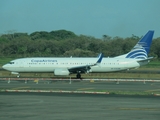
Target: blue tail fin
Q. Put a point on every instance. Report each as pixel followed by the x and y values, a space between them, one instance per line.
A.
pixel 100 57
pixel 142 48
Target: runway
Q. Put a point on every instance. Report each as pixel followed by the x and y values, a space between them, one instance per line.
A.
pixel 49 106
pixel 82 86
pixel 60 106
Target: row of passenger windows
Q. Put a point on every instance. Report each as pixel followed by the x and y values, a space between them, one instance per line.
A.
pixel 70 63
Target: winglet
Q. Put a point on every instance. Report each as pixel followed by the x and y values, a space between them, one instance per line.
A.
pixel 100 58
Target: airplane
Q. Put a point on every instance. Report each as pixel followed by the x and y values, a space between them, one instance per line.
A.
pixel 63 66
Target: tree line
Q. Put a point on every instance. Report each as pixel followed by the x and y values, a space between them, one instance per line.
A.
pixel 63 43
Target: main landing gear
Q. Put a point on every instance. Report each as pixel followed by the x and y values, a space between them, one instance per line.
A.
pixel 78 76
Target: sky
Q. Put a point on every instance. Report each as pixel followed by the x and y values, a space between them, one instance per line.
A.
pixel 95 18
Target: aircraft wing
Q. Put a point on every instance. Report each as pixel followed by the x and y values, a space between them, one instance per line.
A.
pixel 85 68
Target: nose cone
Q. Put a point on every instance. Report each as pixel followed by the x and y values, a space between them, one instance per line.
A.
pixel 5 67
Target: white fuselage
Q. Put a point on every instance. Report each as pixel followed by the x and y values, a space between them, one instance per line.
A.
pixel 64 66
pixel 50 64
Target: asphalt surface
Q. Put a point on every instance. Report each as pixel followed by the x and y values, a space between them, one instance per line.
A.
pixel 82 85
pixel 60 106
pixel 53 106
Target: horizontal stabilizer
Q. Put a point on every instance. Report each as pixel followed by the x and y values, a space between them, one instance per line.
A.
pixel 149 58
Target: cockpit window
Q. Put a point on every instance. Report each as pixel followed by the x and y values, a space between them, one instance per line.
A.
pixel 11 62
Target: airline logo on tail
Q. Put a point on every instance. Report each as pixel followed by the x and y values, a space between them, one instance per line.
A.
pixel 141 49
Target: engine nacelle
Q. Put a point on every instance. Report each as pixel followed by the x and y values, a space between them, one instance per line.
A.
pixel 15 73
pixel 61 71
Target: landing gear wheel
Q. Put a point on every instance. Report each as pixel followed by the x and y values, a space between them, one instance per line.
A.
pixel 78 76
pixel 18 75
